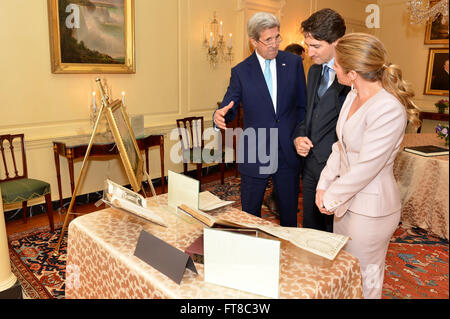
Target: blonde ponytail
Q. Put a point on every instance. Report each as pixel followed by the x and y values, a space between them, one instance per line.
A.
pixel 392 81
pixel 366 55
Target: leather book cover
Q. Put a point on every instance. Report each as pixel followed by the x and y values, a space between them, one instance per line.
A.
pixel 195 250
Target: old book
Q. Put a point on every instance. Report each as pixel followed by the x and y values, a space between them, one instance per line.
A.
pixel 125 199
pixel 206 218
pixel 195 250
pixel 209 202
pixel 427 150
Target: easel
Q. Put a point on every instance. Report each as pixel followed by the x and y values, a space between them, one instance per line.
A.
pixel 105 104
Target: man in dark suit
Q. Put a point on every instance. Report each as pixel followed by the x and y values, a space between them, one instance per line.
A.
pixel 270 85
pixel 325 96
pixel 271 201
pixel 440 80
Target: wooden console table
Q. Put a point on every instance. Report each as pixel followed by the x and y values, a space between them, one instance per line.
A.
pixel 432 116
pixel 76 148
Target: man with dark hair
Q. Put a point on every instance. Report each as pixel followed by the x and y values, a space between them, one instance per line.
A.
pixel 295 49
pixel 315 135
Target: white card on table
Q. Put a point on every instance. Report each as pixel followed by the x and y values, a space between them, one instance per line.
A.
pixel 242 262
pixel 182 190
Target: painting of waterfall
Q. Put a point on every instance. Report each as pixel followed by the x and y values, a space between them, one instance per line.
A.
pixel 92 36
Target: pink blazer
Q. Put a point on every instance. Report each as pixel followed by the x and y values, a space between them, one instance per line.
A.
pixel 359 172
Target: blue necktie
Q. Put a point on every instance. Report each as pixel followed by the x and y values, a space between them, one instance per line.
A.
pixel 268 77
pixel 324 83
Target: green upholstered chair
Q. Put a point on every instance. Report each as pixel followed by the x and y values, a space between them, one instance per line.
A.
pixel 14 182
pixel 192 144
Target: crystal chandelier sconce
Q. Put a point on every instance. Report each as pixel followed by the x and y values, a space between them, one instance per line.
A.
pixel 421 12
pixel 217 47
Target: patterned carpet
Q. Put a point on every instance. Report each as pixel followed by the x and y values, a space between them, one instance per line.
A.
pixel 417 265
pixel 40 273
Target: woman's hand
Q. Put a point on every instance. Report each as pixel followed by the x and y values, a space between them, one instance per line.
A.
pixel 319 202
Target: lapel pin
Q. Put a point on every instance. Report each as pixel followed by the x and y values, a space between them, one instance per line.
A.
pixel 284 64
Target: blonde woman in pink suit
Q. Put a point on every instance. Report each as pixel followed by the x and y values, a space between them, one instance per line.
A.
pixel 358 185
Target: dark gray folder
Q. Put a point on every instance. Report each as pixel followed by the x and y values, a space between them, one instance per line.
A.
pixel 169 260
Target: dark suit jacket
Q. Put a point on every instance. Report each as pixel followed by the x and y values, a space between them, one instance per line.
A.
pixel 440 81
pixel 322 129
pixel 248 87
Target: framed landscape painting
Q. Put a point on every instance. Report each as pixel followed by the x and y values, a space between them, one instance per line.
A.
pixel 92 36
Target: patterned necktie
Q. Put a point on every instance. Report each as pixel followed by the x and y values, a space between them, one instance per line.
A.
pixel 324 83
pixel 268 77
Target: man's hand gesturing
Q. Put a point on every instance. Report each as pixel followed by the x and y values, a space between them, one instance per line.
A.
pixel 219 116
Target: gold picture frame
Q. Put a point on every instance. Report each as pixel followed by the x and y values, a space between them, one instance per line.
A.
pixel 436 32
pixel 77 37
pixel 436 82
pixel 123 134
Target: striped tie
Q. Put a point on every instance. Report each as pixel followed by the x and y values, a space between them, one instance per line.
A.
pixel 324 83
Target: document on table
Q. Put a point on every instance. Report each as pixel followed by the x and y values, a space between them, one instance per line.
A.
pixel 209 201
pixel 182 190
pixel 125 199
pixel 321 243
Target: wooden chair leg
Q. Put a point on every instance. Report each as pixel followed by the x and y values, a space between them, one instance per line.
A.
pixel 222 172
pixel 185 168
pixel 199 173
pixel 24 211
pixel 48 201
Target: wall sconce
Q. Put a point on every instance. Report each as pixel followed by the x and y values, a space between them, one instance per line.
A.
pixel 217 48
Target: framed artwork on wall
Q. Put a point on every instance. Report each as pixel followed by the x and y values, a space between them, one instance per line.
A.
pixel 436 31
pixel 437 72
pixel 91 36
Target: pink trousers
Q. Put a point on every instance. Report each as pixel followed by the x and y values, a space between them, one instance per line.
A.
pixel 369 242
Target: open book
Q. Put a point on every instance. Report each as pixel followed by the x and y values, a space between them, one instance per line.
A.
pixel 206 218
pixel 321 243
pixel 209 201
pixel 125 199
